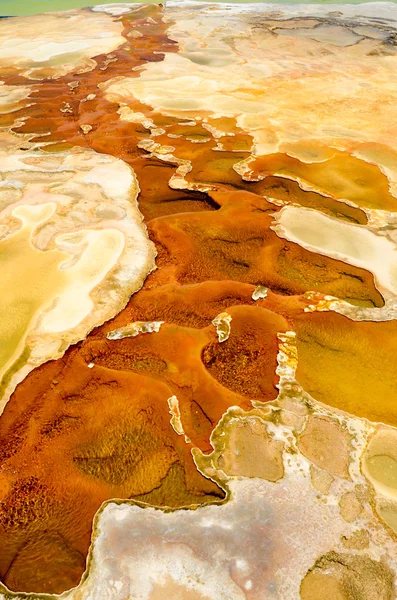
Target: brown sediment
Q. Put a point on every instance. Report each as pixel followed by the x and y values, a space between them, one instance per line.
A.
pixel 157 199
pixel 84 435
pixel 350 507
pixel 320 479
pixel 359 540
pixel 326 445
pixel 236 242
pixel 48 503
pixel 247 363
pixel 95 424
pixel 249 450
pixel 89 436
pixel 44 112
pixel 347 577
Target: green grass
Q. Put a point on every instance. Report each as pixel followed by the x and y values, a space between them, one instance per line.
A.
pixel 31 7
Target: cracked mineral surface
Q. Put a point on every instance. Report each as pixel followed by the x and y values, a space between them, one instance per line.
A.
pixel 198 234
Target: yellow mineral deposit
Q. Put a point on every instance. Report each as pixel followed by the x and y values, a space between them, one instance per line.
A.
pixel 332 173
pixel 32 281
pixel 11 97
pixel 69 228
pixel 270 83
pixel 351 243
pixel 53 45
pixel 37 285
pixel 387 510
pixel 379 465
pixel 265 149
pixel 326 445
pixel 353 372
